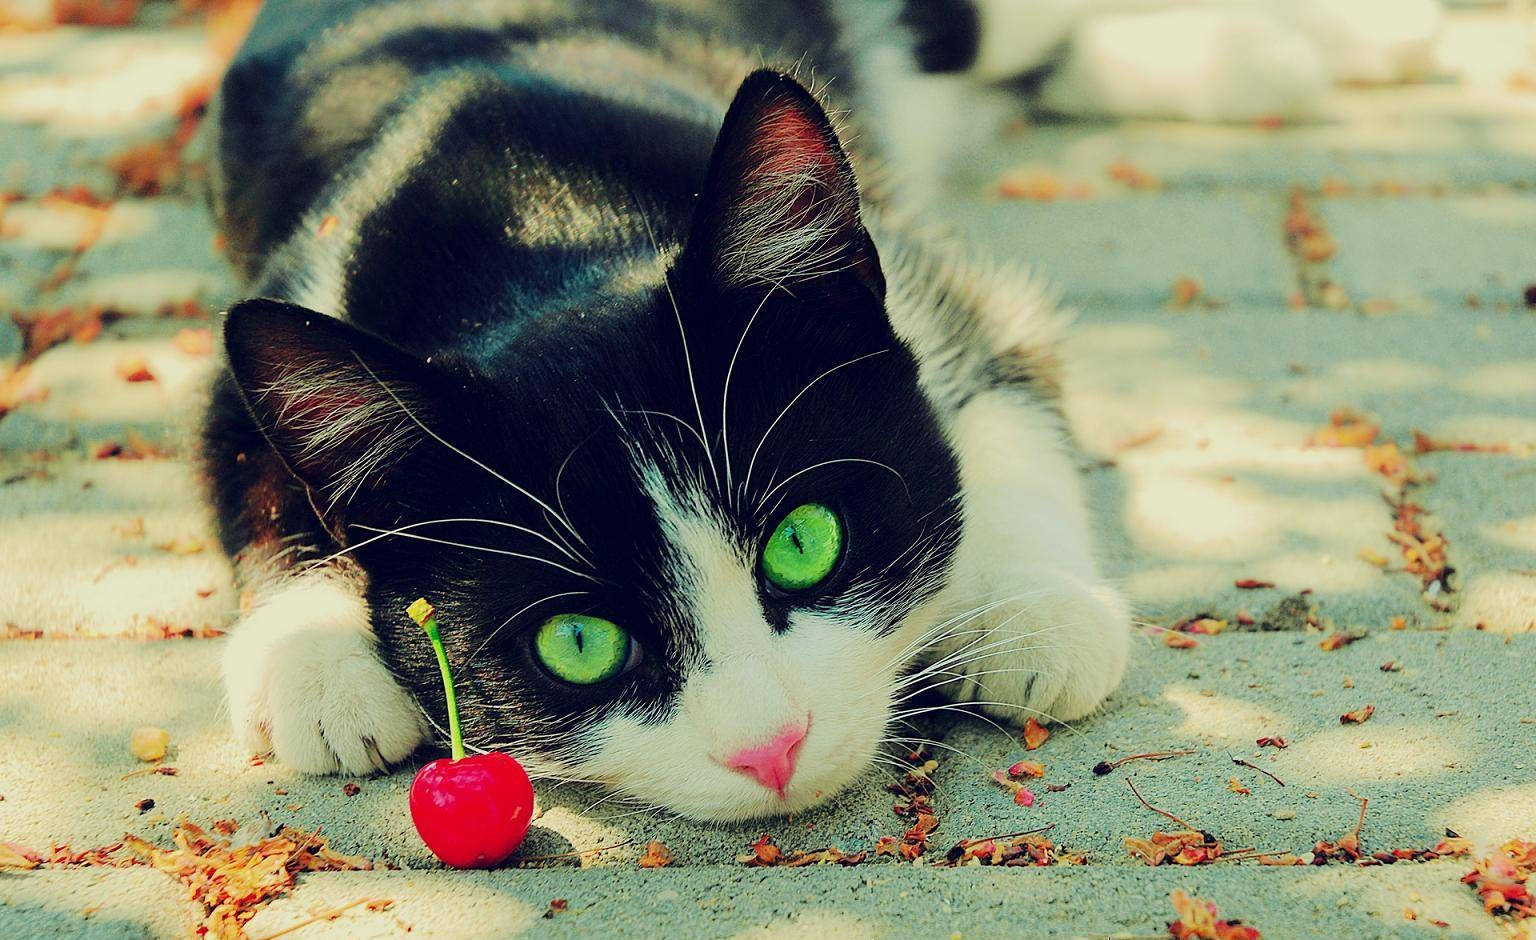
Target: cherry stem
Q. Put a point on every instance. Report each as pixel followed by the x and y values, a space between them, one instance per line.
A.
pixel 422 612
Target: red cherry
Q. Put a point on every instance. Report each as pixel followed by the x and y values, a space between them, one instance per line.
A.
pixel 472 812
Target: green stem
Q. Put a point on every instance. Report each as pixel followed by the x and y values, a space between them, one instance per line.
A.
pixel 423 614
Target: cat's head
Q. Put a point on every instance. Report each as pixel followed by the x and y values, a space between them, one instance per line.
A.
pixel 681 530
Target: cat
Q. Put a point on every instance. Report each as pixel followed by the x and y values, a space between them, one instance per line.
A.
pixel 584 321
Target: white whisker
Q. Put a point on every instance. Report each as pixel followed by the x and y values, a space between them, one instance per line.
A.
pixel 477 548
pixel 441 440
pixel 746 482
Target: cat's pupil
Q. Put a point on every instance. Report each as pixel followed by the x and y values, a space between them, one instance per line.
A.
pixel 576 636
pixel 794 536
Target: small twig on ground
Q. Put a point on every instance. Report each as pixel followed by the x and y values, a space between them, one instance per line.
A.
pixel 1161 812
pixel 157 769
pixel 519 862
pixel 1251 766
pixel 1364 801
pixel 331 914
pixel 1010 835
pixel 1103 767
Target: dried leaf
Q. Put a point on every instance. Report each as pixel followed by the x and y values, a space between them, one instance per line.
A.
pixel 194 341
pixel 1346 428
pixel 1179 641
pixel 1358 716
pixel 13 856
pixel 1275 741
pixel 1252 584
pixel 1198 920
pixel 134 369
pixel 1503 880
pixel 656 855
pixel 1035 734
pixel 1336 640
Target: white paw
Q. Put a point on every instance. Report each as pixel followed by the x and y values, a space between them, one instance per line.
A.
pixel 1056 656
pixel 306 685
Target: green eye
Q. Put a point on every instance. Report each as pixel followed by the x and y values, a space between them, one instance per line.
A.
pixel 582 649
pixel 804 548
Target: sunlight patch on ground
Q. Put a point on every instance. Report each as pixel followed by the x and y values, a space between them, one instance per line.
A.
pixel 1372 752
pixel 1486 429
pixel 581 830
pixel 148 291
pixel 1221 717
pixel 812 925
pixel 1501 601
pixel 1195 518
pixel 109 86
pixel 56 225
pixel 1492 816
pixel 1518 534
pixel 1515 379
pixel 1348 381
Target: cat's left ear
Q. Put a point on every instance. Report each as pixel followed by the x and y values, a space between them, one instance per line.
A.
pixel 780 204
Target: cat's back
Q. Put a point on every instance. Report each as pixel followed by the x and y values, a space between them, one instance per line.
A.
pixel 455 142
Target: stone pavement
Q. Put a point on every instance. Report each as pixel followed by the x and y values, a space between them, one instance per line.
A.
pixel 1237 287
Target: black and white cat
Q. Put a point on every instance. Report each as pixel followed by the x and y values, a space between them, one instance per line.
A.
pixel 578 323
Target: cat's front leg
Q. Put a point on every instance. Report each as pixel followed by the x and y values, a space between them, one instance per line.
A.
pixel 1034 629
pixel 306 685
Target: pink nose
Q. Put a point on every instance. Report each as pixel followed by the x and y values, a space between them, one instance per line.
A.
pixel 771 764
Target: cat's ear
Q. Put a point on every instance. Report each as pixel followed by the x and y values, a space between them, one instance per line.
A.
pixel 338 405
pixel 780 204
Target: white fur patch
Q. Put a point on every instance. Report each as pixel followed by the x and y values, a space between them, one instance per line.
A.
pixel 305 684
pixel 754 683
pixel 1055 638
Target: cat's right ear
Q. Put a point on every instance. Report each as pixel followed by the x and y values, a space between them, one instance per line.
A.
pixel 780 204
pixel 338 405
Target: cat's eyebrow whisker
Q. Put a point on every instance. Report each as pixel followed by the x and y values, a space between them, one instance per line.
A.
pixel 476 548
pixel 725 394
pixel 614 413
pixel 503 624
pixel 687 353
pixel 462 453
pixel 746 482
pixel 491 522
pixel 827 463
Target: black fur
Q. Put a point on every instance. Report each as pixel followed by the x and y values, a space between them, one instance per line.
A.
pixel 507 289
pixel 947 33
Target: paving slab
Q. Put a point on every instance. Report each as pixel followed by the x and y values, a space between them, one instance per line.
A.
pixel 1449 249
pixel 1446 748
pixel 1101 252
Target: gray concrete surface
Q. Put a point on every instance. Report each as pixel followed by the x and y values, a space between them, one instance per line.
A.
pixel 1195 425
